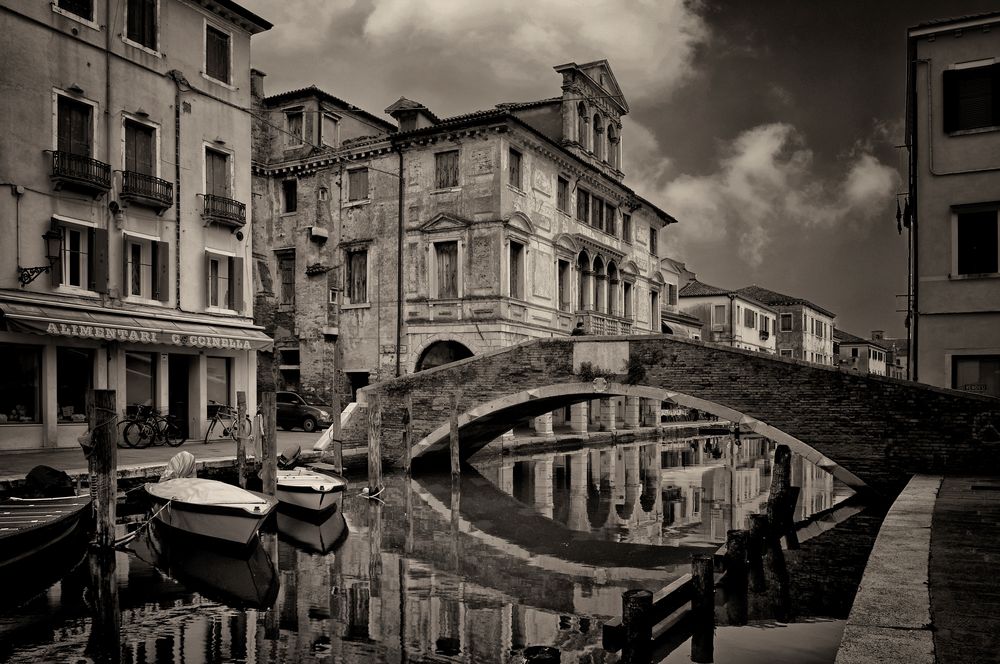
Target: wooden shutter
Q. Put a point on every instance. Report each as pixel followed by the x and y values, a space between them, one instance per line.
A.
pixel 949 88
pixel 995 76
pixel 56 271
pixel 217 54
pixel 142 22
pixel 98 259
pixel 216 174
pixel 138 148
pixel 73 127
pixel 447 269
pixel 161 271
pixel 236 283
pixel 126 285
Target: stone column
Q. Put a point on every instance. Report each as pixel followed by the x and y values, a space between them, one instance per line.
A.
pixel 543 425
pixel 601 297
pixel 614 290
pixel 578 417
pixel 577 517
pixel 542 472
pixel 632 412
pixel 608 415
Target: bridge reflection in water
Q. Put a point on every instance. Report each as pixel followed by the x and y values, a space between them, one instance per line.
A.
pixel 527 551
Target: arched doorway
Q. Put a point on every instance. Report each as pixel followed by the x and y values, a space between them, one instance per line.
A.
pixel 442 352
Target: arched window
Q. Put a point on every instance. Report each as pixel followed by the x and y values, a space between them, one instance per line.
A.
pixel 612 146
pixel 581 124
pixel 598 136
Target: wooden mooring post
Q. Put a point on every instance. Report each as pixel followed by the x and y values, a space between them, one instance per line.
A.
pixel 737 609
pixel 702 607
pixel 105 642
pixel 241 439
pixel 374 444
pixel 102 464
pixel 269 443
pixel 453 439
pixel 338 441
pixel 755 551
pixel 637 613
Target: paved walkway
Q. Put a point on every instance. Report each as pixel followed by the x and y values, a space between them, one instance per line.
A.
pixel 931 589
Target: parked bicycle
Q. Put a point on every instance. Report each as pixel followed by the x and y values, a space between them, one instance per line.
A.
pixel 148 427
pixel 223 424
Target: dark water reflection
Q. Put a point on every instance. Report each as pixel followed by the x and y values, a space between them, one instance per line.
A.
pixel 535 551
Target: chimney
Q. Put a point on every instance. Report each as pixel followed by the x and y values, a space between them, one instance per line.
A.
pixel 257 83
pixel 878 335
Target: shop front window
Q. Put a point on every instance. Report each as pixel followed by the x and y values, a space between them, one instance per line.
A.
pixel 74 378
pixel 140 379
pixel 20 381
pixel 977 373
pixel 219 374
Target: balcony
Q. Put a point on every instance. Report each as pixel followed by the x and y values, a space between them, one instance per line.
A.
pixel 80 172
pixel 147 190
pixel 764 335
pixel 224 211
pixel 604 324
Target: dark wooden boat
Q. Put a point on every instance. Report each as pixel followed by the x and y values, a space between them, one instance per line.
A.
pixel 29 526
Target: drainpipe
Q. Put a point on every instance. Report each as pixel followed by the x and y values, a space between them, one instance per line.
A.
pixel 176 77
pixel 399 263
pixel 732 320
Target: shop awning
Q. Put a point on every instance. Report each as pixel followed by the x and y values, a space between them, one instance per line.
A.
pixel 126 328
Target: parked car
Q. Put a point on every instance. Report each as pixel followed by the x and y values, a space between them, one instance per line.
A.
pixel 295 410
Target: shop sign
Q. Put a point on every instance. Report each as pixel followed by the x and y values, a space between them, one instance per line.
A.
pixel 145 336
pixel 974 387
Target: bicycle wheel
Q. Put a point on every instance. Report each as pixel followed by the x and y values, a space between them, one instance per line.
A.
pixel 138 434
pixel 172 434
pixel 210 429
pixel 244 430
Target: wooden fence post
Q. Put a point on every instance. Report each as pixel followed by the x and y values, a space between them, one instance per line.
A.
pixel 702 607
pixel 103 463
pixel 453 439
pixel 637 609
pixel 269 443
pixel 737 608
pixel 374 443
pixel 241 439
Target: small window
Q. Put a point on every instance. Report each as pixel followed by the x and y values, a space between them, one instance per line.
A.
pixel 514 169
pixel 446 169
pixel 141 27
pixel 581 125
pixel 290 195
pixel 294 123
pixel 217 54
pixel 654 310
pixel 627 227
pixel 328 131
pixel 785 352
pixel 82 8
pixel 217 173
pixel 74 127
pixel 672 294
pixel 357 276
pixel 596 212
pixel 749 318
pixel 76 256
pixel 786 322
pixel 562 195
pixel 286 271
pixel 854 352
pixel 970 98
pixel 598 143
pixel 334 296
pixel 140 148
pixel 719 315
pixel 517 270
pixel 583 206
pixel 563 286
pixel 357 184
pixel 976 373
pixel 446 255
pixel 219 276
pixel 609 219
pixel 140 267
pixel 977 248
pixel 652 241
pixel 627 297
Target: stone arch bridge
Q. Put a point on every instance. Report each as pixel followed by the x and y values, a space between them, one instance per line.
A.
pixel 870 431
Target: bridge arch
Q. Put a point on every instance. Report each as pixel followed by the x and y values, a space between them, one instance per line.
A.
pixel 438 351
pixel 492 418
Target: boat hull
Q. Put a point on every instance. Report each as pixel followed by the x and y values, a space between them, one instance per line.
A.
pixel 236 526
pixel 309 490
pixel 29 526
pixel 312 532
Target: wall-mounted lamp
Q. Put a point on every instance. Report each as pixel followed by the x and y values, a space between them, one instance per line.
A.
pixel 53 252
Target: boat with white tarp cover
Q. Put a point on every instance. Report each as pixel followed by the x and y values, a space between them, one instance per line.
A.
pixel 210 508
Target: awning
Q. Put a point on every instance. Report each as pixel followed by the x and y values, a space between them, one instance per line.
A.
pixel 60 322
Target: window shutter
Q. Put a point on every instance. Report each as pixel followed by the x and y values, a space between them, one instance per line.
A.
pixel 995 91
pixel 98 255
pixel 126 286
pixel 144 151
pixel 949 86
pixel 64 126
pixel 208 279
pixel 236 283
pixel 56 270
pixel 161 271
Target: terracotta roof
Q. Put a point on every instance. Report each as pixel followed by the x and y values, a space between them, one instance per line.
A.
pixel 404 104
pixel 313 91
pixel 697 289
pixel 517 105
pixel 776 299
pixel 850 339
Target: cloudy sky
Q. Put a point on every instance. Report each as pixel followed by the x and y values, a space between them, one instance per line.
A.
pixel 767 128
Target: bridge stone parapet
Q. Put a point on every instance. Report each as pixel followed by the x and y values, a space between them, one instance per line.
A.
pixel 868 430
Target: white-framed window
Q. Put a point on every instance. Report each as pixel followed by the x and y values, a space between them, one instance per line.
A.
pixel 356 275
pixel 142 25
pixel 718 316
pixel 970 96
pixel 563 284
pixel 446 269
pixel 141 147
pixel 330 130
pixel 83 255
pixel 357 184
pixel 446 169
pixel 786 322
pixel 295 127
pixel 224 281
pixel 145 263
pixel 77 256
pixel 218 172
pixel 218 54
pixel 516 262
pixel 81 11
pixel 73 124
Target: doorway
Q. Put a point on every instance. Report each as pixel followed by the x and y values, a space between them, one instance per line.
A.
pixel 178 391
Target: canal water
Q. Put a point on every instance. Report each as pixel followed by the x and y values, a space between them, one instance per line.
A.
pixel 532 550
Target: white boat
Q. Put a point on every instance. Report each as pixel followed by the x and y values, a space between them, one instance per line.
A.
pixel 309 489
pixel 211 508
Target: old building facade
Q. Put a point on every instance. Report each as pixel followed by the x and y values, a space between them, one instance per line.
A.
pixel 804 330
pixel 729 317
pixel 853 353
pixel 953 134
pixel 439 239
pixel 125 212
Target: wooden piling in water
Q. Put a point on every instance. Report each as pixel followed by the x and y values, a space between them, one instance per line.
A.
pixel 374 443
pixel 637 608
pixel 105 641
pixel 755 551
pixel 737 609
pixel 241 439
pixel 702 607
pixel 102 464
pixel 269 443
pixel 453 439
pixel 338 442
pixel 407 432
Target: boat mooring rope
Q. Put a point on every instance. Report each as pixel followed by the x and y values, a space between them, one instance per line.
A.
pixel 125 539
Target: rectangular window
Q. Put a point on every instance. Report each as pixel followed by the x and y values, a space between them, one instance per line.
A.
pixel 563 276
pixel 140 379
pixel 719 316
pixel 977 242
pixel 76 256
pixel 562 195
pixel 20 384
pixel 294 122
pixel 627 297
pixel 583 206
pixel 140 148
pixel 672 294
pixel 217 54
pixel 357 184
pixel 749 318
pixel 516 270
pixel 141 27
pixel 82 8
pixel 225 281
pixel 329 131
pixel 74 377
pixel 446 255
pixel 652 241
pixel 597 212
pixel 854 352
pixel 140 267
pixel 514 169
pixel 970 98
pixel 785 352
pixel 286 271
pixel 289 196
pixel 446 169
pixel 627 227
pixel 765 324
pixel 217 173
pixel 357 276
pixel 74 127
pixel 609 219
pixel 219 381
pixel 654 311
pixel 786 322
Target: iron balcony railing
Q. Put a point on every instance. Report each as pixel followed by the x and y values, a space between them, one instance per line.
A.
pixel 225 210
pixel 80 171
pixel 606 324
pixel 147 189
